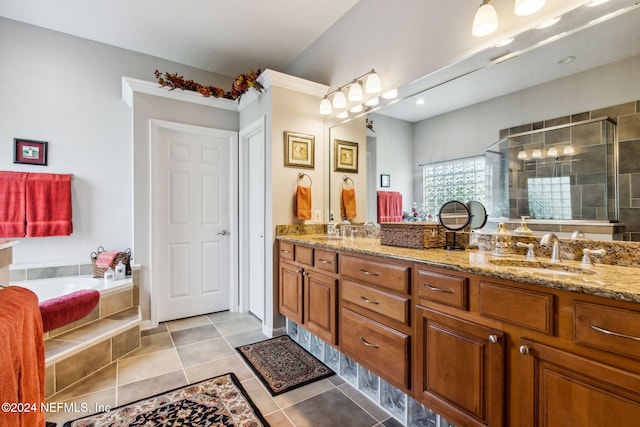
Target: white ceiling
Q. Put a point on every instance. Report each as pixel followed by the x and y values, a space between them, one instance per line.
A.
pixel 228 37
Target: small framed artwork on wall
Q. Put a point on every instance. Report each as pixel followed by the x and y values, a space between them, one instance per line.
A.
pixel 385 181
pixel 299 150
pixel 29 152
pixel 345 156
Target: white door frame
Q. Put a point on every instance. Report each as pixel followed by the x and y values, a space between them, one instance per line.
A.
pixel 154 126
pixel 258 126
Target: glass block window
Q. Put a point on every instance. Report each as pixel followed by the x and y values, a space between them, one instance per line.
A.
pixel 550 198
pixel 462 179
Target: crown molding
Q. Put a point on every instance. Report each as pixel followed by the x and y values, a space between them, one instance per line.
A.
pixel 270 78
pixel 131 86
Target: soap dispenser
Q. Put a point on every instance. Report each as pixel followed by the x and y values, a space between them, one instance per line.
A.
pixel 121 271
pixel 523 230
pixel 501 240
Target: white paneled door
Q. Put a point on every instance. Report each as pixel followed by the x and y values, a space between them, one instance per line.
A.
pixel 191 197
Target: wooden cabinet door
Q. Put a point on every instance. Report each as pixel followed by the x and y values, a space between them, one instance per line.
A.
pixel 563 389
pixel 459 369
pixel 320 314
pixel 291 291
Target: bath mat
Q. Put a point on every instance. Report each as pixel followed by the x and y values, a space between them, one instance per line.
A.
pixel 282 365
pixel 219 401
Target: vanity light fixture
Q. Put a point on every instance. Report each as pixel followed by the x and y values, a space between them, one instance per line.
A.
pixel 568 150
pixel 356 109
pixel 372 102
pixel 339 100
pixel 552 152
pixel 528 7
pixel 486 20
pixel 522 155
pixel 536 154
pixel 548 23
pixel 372 85
pixel 393 93
pixel 343 115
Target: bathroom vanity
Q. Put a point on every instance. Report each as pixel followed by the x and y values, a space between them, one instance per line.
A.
pixel 480 340
pixel 6 258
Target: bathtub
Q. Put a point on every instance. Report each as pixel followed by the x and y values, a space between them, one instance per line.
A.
pixel 58 286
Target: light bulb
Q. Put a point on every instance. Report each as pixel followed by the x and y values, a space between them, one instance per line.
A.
pixel 528 7
pixel 522 155
pixel 486 20
pixel 339 101
pixel 536 154
pixel 355 92
pixel 372 102
pixel 372 84
pixel 553 152
pixel 390 94
pixel 568 150
pixel 325 107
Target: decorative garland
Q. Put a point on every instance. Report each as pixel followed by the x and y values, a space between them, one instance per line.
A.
pixel 241 85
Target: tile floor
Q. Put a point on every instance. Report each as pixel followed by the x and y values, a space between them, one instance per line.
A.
pixel 189 350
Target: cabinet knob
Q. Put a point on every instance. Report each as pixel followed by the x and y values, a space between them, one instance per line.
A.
pixel 493 339
pixel 524 349
pixel 298 271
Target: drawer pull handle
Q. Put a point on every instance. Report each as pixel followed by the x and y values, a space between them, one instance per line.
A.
pixel 285 251
pixel 368 344
pixel 368 273
pixel 368 301
pixel 615 334
pixel 324 261
pixel 433 288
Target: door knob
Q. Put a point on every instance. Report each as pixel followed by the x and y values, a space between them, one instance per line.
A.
pixel 223 232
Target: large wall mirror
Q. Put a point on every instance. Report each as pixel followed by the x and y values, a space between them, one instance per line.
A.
pixel 505 101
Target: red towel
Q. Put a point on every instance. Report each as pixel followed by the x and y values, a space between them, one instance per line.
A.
pixel 389 206
pixel 60 311
pixel 48 205
pixel 12 204
pixel 105 259
pixel 22 356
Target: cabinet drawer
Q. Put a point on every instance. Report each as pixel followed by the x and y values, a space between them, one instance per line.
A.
pixel 286 250
pixel 613 329
pixel 443 288
pixel 304 255
pixel 390 276
pixel 325 260
pixel 533 310
pixel 394 307
pixel 377 347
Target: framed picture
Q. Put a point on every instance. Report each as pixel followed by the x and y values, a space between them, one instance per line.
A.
pixel 29 152
pixel 385 180
pixel 345 156
pixel 299 150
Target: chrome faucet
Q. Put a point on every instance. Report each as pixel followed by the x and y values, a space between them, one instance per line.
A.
pixel 586 259
pixel 550 238
pixel 578 234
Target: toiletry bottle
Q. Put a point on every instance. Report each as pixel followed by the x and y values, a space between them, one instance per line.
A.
pixel 120 271
pixel 501 240
pixel 109 274
pixel 523 230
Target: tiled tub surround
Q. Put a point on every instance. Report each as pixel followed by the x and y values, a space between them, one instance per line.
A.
pixel 627 117
pixel 79 349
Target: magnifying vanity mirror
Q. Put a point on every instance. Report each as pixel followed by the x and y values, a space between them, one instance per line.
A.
pixel 586 66
pixel 454 216
pixel 478 215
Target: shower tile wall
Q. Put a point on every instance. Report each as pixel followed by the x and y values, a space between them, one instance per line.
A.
pixel 584 172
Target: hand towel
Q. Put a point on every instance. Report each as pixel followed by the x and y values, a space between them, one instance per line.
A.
pixel 22 356
pixel 105 259
pixel 389 206
pixel 48 202
pixel 348 203
pixel 303 202
pixel 12 204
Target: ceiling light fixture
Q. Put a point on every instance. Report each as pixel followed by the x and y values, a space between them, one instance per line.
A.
pixel 528 7
pixel 372 85
pixel 486 20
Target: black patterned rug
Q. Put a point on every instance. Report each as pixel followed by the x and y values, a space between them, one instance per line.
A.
pixel 219 401
pixel 282 365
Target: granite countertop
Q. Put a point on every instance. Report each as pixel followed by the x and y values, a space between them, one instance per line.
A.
pixel 610 281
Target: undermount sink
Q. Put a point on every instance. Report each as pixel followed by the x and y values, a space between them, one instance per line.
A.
pixel 524 265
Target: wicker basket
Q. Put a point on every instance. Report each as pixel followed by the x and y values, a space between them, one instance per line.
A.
pixel 417 235
pixel 124 256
